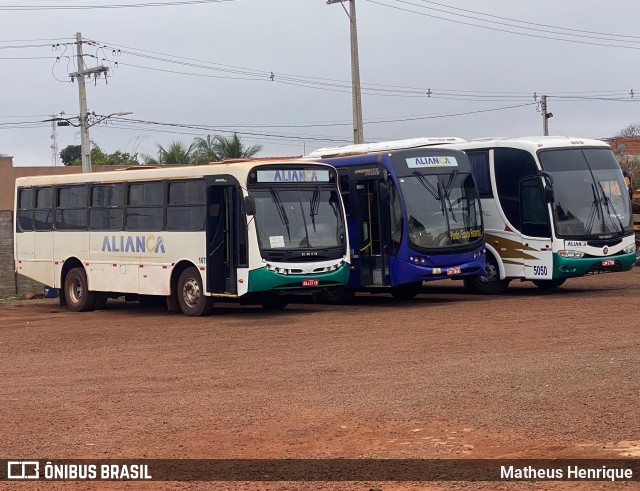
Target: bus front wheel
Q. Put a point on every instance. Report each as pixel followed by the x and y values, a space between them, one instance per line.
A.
pixel 548 284
pixel 406 291
pixel 489 283
pixel 637 252
pixel 338 295
pixel 274 302
pixel 191 297
pixel 76 291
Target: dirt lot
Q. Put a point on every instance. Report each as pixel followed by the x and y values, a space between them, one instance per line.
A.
pixel 446 375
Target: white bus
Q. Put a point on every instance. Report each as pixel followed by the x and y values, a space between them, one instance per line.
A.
pixel 554 208
pixel 252 231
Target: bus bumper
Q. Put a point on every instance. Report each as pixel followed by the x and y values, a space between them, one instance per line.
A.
pixel 262 279
pixel 408 272
pixel 564 267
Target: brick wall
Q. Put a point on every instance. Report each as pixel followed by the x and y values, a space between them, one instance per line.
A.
pixel 7 276
pixel 10 282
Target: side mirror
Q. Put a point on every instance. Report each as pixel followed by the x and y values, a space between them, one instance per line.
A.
pixel 249 205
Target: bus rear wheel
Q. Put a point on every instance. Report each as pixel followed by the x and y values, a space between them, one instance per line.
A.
pixel 406 291
pixel 76 291
pixel 489 283
pixel 190 292
pixel 548 284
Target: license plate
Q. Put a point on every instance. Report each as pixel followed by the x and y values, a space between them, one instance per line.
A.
pixel 451 271
pixel 608 262
pixel 310 282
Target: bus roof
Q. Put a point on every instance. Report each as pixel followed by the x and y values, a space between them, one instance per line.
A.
pixel 327 152
pixel 234 168
pixel 531 143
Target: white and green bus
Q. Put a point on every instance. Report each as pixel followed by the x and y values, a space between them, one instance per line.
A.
pixel 553 208
pixel 253 231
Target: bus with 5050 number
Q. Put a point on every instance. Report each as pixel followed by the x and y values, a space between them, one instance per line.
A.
pixel 251 231
pixel 554 208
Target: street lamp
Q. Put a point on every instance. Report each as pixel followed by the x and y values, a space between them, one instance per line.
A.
pixel 84 129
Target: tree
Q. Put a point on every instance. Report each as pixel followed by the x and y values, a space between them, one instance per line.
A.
pixel 232 148
pixel 629 131
pixel 205 150
pixel 71 155
pixel 176 154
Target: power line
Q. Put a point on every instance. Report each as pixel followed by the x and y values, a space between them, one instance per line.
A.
pixel 499 29
pixel 108 6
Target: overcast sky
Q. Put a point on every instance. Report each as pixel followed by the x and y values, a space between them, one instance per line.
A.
pixel 208 64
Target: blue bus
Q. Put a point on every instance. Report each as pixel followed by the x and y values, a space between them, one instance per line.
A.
pixel 413 215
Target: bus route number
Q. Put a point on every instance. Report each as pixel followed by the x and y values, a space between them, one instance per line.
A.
pixel 539 271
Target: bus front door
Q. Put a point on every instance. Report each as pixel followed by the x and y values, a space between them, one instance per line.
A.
pixel 223 233
pixel 372 221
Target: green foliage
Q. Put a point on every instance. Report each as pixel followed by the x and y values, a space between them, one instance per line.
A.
pixel 176 154
pixel 71 155
pixel 232 148
pixel 205 150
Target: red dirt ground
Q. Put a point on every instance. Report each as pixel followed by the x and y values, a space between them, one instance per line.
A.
pixel 529 374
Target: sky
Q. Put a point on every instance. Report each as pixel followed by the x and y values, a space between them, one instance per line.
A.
pixel 279 72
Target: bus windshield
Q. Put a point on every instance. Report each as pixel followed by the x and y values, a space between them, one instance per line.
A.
pixel 443 210
pixel 308 218
pixel 590 197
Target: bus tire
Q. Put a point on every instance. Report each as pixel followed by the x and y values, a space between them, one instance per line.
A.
pixel 274 302
pixel 489 283
pixel 637 252
pixel 548 284
pixel 406 291
pixel 76 291
pixel 190 293
pixel 338 295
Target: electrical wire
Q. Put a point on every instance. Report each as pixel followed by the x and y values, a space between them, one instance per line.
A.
pixel 108 6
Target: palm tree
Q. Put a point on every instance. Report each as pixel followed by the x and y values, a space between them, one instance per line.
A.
pixel 205 150
pixel 176 154
pixel 232 148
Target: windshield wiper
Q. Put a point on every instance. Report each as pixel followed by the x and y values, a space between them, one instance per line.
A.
pixel 610 207
pixel 314 206
pixel 592 212
pixel 281 212
pixel 428 186
pixel 446 191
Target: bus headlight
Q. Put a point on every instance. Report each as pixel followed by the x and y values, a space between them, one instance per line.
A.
pixel 629 248
pixel 571 254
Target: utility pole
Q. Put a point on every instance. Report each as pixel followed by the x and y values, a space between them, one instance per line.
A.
pixel 358 130
pixel 545 115
pixel 85 143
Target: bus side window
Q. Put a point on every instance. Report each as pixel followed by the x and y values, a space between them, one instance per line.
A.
pixel 145 206
pixel 511 166
pixel 25 210
pixel 480 169
pixel 43 215
pixel 106 207
pixel 71 207
pixel 533 209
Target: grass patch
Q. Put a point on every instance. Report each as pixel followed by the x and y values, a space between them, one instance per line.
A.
pixel 9 298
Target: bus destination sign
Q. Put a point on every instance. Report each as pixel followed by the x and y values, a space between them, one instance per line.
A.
pixel 415 162
pixel 293 175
